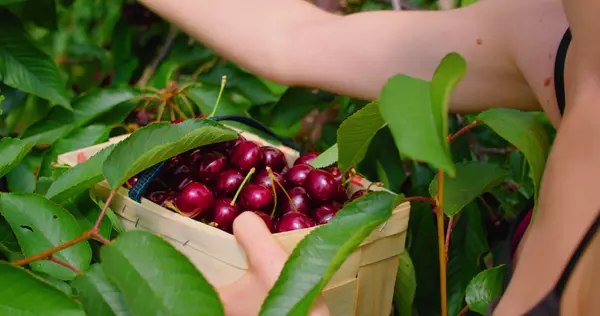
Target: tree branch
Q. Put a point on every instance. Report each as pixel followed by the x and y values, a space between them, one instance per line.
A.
pixel 150 69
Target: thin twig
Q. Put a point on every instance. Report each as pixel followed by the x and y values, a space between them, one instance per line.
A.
pixel 48 253
pixel 150 69
pixel 452 137
pixel 65 264
pixel 421 199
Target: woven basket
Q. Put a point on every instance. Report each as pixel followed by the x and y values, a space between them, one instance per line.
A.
pixel 363 285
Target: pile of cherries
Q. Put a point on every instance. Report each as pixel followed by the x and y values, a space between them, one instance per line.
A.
pixel 215 183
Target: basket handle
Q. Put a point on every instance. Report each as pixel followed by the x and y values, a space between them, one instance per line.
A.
pixel 137 191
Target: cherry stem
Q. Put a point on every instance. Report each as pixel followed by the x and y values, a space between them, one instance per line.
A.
pixel 161 109
pixel 172 206
pixel 448 234
pixel 178 110
pixel 272 177
pixel 250 173
pixel 64 264
pixel 187 104
pixel 439 212
pixel 452 137
pixel 55 165
pixel 464 311
pixel 379 184
pixel 223 82
pixel 421 199
pixel 104 209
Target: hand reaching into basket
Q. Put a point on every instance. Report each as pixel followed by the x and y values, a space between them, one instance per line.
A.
pixel 266 258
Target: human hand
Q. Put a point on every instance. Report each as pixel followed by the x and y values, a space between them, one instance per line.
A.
pixel 266 258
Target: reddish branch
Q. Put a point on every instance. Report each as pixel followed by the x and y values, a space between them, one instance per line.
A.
pixel 92 233
pixel 421 199
pixel 452 137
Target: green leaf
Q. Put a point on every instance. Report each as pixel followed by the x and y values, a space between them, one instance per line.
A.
pixel 41 225
pixel 316 258
pixel 79 178
pixel 525 132
pixel 86 212
pixel 8 241
pixel 406 285
pixel 326 158
pixel 447 75
pixel 22 178
pixel 355 135
pixel 24 66
pixel 137 262
pixel 297 102
pixel 472 179
pixel 157 142
pixel 406 106
pixel 98 295
pixel 13 151
pixel 467 245
pixel 81 137
pixel 59 122
pixel 58 284
pixel 484 288
pixel 29 295
pixel 12 99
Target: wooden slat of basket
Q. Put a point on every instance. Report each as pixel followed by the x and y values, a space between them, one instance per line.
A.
pixel 341 299
pixel 376 288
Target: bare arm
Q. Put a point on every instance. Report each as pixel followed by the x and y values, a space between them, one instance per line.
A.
pixel 295 43
pixel 569 199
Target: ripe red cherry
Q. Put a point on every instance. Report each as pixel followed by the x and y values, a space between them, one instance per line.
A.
pixel 297 175
pixel 225 147
pixel 193 158
pixel 245 156
pixel 262 178
pixel 176 121
pixel 266 219
pixel 293 221
pixel 228 183
pixel 173 163
pixel 195 199
pixel 159 197
pixel 171 197
pixel 211 166
pixel 324 213
pixel 133 180
pixel 358 194
pixel 306 158
pixel 335 172
pixel 342 194
pixel 180 177
pixel 224 214
pixel 299 198
pixel 256 197
pixel 321 186
pixel 274 158
pixel 200 116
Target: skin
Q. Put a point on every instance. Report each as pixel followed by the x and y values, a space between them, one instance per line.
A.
pixel 510 47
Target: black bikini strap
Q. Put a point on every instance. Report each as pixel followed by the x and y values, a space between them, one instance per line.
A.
pixel 562 282
pixel 559 70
